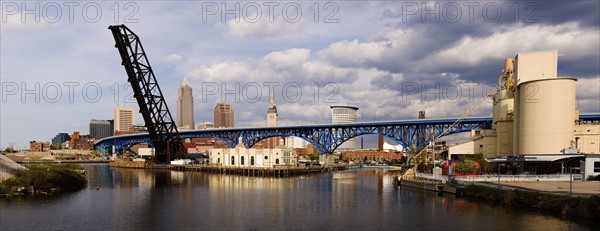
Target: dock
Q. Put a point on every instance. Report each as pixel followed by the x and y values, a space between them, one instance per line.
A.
pixel 410 180
pixel 280 171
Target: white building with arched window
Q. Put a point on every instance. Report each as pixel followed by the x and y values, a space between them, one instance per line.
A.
pixel 241 156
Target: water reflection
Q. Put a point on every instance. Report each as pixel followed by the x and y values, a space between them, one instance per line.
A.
pixel 357 199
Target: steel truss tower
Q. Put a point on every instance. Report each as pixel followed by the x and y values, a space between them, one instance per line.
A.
pixel 164 136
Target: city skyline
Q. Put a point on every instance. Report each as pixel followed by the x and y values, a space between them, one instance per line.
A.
pixel 396 65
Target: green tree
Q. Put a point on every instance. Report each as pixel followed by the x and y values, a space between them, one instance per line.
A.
pixel 181 154
pixel 11 147
pixel 402 160
pixel 466 167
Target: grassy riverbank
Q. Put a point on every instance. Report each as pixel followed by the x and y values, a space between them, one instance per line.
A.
pixel 44 179
pixel 565 205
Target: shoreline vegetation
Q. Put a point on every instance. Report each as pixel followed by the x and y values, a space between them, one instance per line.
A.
pixel 564 205
pixel 44 179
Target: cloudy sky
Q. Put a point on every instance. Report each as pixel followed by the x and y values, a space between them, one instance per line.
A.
pixel 59 67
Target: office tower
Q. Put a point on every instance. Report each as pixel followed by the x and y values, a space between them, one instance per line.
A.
pixel 185 107
pixel 224 115
pixel 124 118
pixel 101 128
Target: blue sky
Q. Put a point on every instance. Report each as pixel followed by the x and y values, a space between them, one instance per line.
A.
pixel 389 58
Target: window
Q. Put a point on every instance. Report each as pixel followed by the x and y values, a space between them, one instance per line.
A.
pixel 233 160
pixel 242 160
pixel 266 157
pixel 277 161
pixel 252 160
pixel 597 166
pixel 218 160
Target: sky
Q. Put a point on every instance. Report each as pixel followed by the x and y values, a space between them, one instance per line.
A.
pixel 59 67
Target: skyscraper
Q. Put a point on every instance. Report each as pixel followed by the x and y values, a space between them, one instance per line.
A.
pixel 272 112
pixel 124 118
pixel 344 114
pixel 101 128
pixel 223 115
pixel 185 107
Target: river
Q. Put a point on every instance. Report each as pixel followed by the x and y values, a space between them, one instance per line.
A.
pixel 362 199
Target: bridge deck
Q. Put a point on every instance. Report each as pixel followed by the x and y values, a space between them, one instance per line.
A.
pixel 327 137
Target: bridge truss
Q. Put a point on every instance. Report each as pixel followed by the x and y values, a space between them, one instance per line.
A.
pixel 413 135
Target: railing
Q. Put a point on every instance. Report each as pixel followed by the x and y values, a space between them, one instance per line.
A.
pixel 503 178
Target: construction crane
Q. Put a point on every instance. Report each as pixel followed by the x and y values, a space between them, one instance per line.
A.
pixel 163 133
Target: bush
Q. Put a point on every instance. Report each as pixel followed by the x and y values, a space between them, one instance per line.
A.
pixel 46 178
pixel 594 178
pixel 181 154
pixel 466 167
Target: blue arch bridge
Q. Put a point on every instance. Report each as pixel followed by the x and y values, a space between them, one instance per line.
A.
pixel 411 134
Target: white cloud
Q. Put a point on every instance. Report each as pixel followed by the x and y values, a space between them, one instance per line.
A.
pixel 289 58
pixel 588 94
pixel 320 71
pixel 219 72
pixel 567 38
pixel 173 58
pixel 385 47
pixel 395 48
pixel 588 88
pixel 263 28
pixel 15 22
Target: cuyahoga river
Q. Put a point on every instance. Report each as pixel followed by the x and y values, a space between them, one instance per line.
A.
pixel 362 199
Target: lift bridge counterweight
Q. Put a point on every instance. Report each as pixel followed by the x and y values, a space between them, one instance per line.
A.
pixel 164 136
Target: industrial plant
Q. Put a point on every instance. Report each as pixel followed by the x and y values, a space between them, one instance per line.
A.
pixel 535 117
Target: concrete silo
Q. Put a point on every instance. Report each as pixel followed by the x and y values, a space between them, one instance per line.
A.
pixel 544 115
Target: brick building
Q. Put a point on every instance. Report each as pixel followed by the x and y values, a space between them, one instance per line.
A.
pixel 81 142
pixel 35 146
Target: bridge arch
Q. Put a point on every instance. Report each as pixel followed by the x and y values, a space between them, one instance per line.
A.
pixel 327 137
pixel 378 134
pixel 343 140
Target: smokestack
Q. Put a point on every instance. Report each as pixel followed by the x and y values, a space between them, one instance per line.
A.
pixel 380 144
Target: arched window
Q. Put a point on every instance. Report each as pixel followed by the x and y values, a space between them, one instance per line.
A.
pixel 252 160
pixel 242 160
pixel 277 161
pixel 233 160
pixel 218 160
